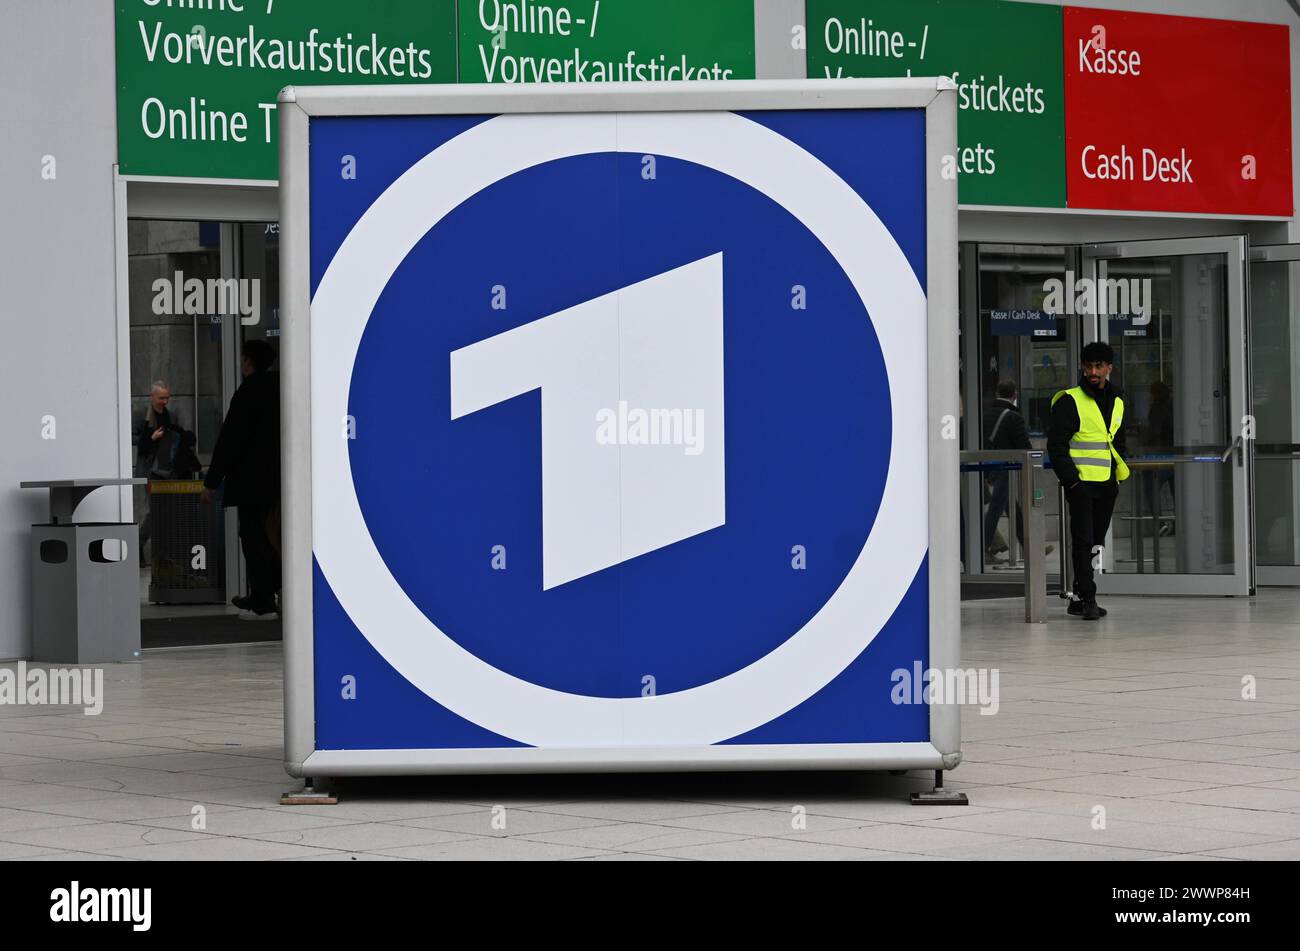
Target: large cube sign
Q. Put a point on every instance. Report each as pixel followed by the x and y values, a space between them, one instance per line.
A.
pixel 620 428
pixel 1177 114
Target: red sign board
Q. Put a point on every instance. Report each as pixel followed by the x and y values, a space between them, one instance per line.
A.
pixel 1179 114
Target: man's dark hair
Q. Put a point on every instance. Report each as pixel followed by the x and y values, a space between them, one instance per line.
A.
pixel 1007 389
pixel 1097 352
pixel 260 353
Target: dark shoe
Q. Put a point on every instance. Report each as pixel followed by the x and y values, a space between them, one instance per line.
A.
pixel 256 607
pixel 1077 607
pixel 1090 611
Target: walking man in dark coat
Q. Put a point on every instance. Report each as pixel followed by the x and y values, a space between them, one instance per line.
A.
pixel 246 461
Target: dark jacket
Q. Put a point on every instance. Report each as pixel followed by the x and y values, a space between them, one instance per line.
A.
pixel 247 454
pixel 1010 432
pixel 142 438
pixel 1065 423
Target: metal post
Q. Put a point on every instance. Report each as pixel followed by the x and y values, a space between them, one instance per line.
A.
pixel 1139 530
pixel 1031 501
pixel 1067 544
pixel 1013 546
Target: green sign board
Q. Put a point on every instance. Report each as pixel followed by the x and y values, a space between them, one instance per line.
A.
pixel 1006 59
pixel 538 41
pixel 198 79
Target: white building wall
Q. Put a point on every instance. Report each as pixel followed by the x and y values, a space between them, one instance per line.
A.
pixel 59 352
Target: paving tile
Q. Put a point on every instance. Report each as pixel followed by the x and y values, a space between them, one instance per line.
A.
pixel 492 849
pixel 766 822
pixel 1009 774
pixel 26 795
pixel 1085 742
pixel 347 857
pixel 901 837
pixel 1033 850
pixel 1118 784
pixel 18 759
pixel 1082 762
pixel 774 850
pixel 64 855
pixel 18 820
pixel 1243 797
pixel 1283 851
pixel 1202 751
pixel 395 810
pixel 361 836
pixel 171 762
pixel 1282 825
pixel 1117 833
pixel 867 811
pixel 214 849
pixel 1193 857
pixel 19 850
pixel 1281 784
pixel 261 795
pixel 234 821
pixel 632 837
pixel 507 822
pixel 1221 774
pixel 634 810
pixel 1275 740
pixel 121 807
pixel 628 857
pixel 1288 760
pixel 97 836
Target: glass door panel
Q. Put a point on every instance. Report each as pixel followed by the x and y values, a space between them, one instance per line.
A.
pixel 1175 313
pixel 1275 358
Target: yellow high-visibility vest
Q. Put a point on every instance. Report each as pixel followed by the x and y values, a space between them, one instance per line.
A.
pixel 1092 448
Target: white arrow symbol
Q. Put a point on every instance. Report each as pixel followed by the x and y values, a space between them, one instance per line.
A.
pixel 654 346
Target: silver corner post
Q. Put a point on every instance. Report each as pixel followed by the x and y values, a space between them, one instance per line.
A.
pixel 1031 503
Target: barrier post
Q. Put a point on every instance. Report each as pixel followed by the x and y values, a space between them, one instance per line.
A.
pixel 1031 501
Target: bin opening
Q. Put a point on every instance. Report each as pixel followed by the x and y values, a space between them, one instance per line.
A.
pixel 107 551
pixel 54 552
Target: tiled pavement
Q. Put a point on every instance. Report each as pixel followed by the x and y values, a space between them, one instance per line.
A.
pixel 1141 716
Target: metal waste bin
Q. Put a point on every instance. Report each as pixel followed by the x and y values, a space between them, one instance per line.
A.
pixel 85 581
pixel 188 540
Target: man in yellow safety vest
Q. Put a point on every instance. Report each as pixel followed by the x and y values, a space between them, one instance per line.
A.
pixel 1086 444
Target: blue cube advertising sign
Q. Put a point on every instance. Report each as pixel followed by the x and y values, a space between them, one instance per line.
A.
pixel 619 430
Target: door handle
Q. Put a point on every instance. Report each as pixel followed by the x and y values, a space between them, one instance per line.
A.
pixel 1236 444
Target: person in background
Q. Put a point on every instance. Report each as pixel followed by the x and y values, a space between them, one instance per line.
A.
pixel 155 435
pixel 1087 446
pixel 246 464
pixel 151 429
pixel 1159 438
pixel 1004 428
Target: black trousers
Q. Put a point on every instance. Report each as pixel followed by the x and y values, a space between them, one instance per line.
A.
pixel 259 554
pixel 998 500
pixel 1091 505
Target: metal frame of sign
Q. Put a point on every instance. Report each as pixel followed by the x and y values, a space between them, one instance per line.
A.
pixel 297 107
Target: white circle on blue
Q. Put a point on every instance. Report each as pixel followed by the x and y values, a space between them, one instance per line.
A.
pixel 826 429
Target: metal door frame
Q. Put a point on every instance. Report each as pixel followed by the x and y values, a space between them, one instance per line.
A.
pixel 972 498
pixel 1282 575
pixel 1234 249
